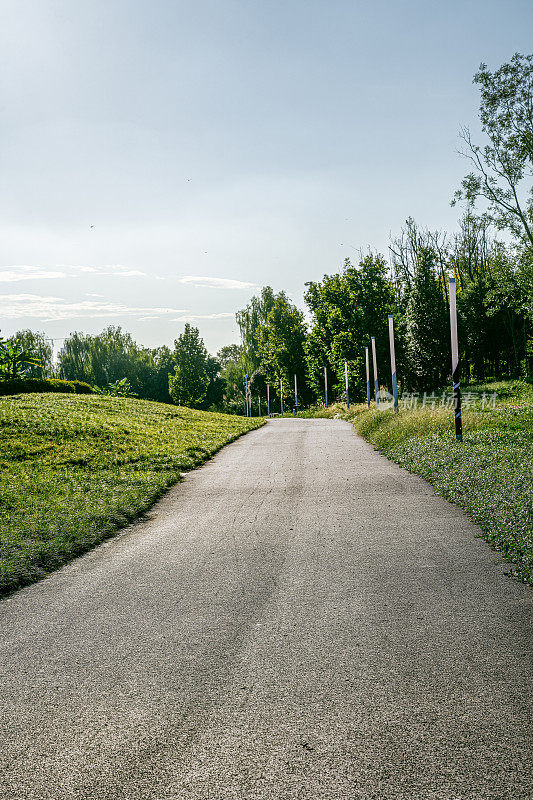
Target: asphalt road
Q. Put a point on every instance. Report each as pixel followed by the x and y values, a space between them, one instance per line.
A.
pixel 299 618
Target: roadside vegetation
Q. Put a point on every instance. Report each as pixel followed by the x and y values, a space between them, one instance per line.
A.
pixel 75 468
pixel 489 474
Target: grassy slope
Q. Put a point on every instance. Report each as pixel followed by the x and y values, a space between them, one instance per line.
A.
pixel 73 469
pixel 489 474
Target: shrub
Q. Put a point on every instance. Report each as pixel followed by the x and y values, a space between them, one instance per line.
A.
pixel 23 385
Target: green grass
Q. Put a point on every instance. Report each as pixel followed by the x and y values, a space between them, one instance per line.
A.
pixel 75 468
pixel 489 474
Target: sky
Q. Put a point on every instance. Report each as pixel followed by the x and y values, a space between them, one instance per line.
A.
pixel 161 161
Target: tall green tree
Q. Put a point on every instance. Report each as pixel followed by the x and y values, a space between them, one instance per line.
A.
pixel 427 326
pixel 503 167
pixel 346 310
pixel 281 347
pixel 250 319
pixel 188 385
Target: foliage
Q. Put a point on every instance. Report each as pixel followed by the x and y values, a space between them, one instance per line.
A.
pixel 230 352
pixel 250 320
pixel 120 388
pixel 188 385
pixel 427 325
pixel 30 385
pixel 73 469
pixel 281 347
pixel 36 343
pixel 15 359
pixel 347 309
pixel 502 165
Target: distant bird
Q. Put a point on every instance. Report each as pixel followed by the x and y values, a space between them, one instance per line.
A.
pixel 91 226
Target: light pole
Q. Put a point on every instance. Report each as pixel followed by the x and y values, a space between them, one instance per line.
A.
pixel 455 364
pixel 393 363
pixel 326 385
pixel 296 393
pixel 367 377
pixel 375 363
pixel 346 382
pixel 281 394
pixel 268 399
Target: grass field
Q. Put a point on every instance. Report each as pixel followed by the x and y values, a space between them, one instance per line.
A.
pixel 489 474
pixel 75 468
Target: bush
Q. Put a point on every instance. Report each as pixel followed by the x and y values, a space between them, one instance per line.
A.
pixel 23 385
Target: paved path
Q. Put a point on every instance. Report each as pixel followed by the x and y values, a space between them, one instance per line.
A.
pixel 298 619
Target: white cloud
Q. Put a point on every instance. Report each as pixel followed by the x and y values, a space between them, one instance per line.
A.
pixel 22 272
pixel 48 309
pixel 110 269
pixel 216 283
pixel 194 317
pixel 25 272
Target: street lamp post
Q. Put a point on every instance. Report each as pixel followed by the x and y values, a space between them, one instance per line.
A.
pixel 367 377
pixel 393 363
pixel 346 383
pixel 455 363
pixel 375 363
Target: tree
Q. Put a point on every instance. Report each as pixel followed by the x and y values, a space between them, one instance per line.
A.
pixel 347 309
pixel 249 320
pixel 281 346
pixel 214 396
pixel 230 352
pixel 503 168
pixel 15 360
pixel 41 348
pixel 427 326
pixel 188 385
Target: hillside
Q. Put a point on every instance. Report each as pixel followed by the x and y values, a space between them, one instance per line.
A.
pixel 74 469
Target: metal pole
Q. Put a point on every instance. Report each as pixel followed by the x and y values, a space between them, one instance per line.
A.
pixel 259 399
pixel 367 377
pixel 393 363
pixel 326 385
pixel 244 383
pixel 346 382
pixel 281 393
pixel 296 393
pixel 375 363
pixel 455 364
pixel 268 399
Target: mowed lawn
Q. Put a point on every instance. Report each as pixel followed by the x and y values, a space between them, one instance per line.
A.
pixel 75 468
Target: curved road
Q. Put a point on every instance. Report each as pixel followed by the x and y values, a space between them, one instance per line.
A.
pixel 299 618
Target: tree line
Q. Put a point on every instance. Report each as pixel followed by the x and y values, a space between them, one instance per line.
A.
pixel 490 255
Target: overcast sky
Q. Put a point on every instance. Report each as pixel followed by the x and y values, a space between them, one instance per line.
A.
pixel 160 159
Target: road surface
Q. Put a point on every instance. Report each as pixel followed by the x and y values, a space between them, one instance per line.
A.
pixel 299 618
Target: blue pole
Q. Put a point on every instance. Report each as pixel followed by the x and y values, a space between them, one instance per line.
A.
pixel 375 363
pixel 455 363
pixel 346 382
pixel 367 377
pixel 281 394
pixel 393 363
